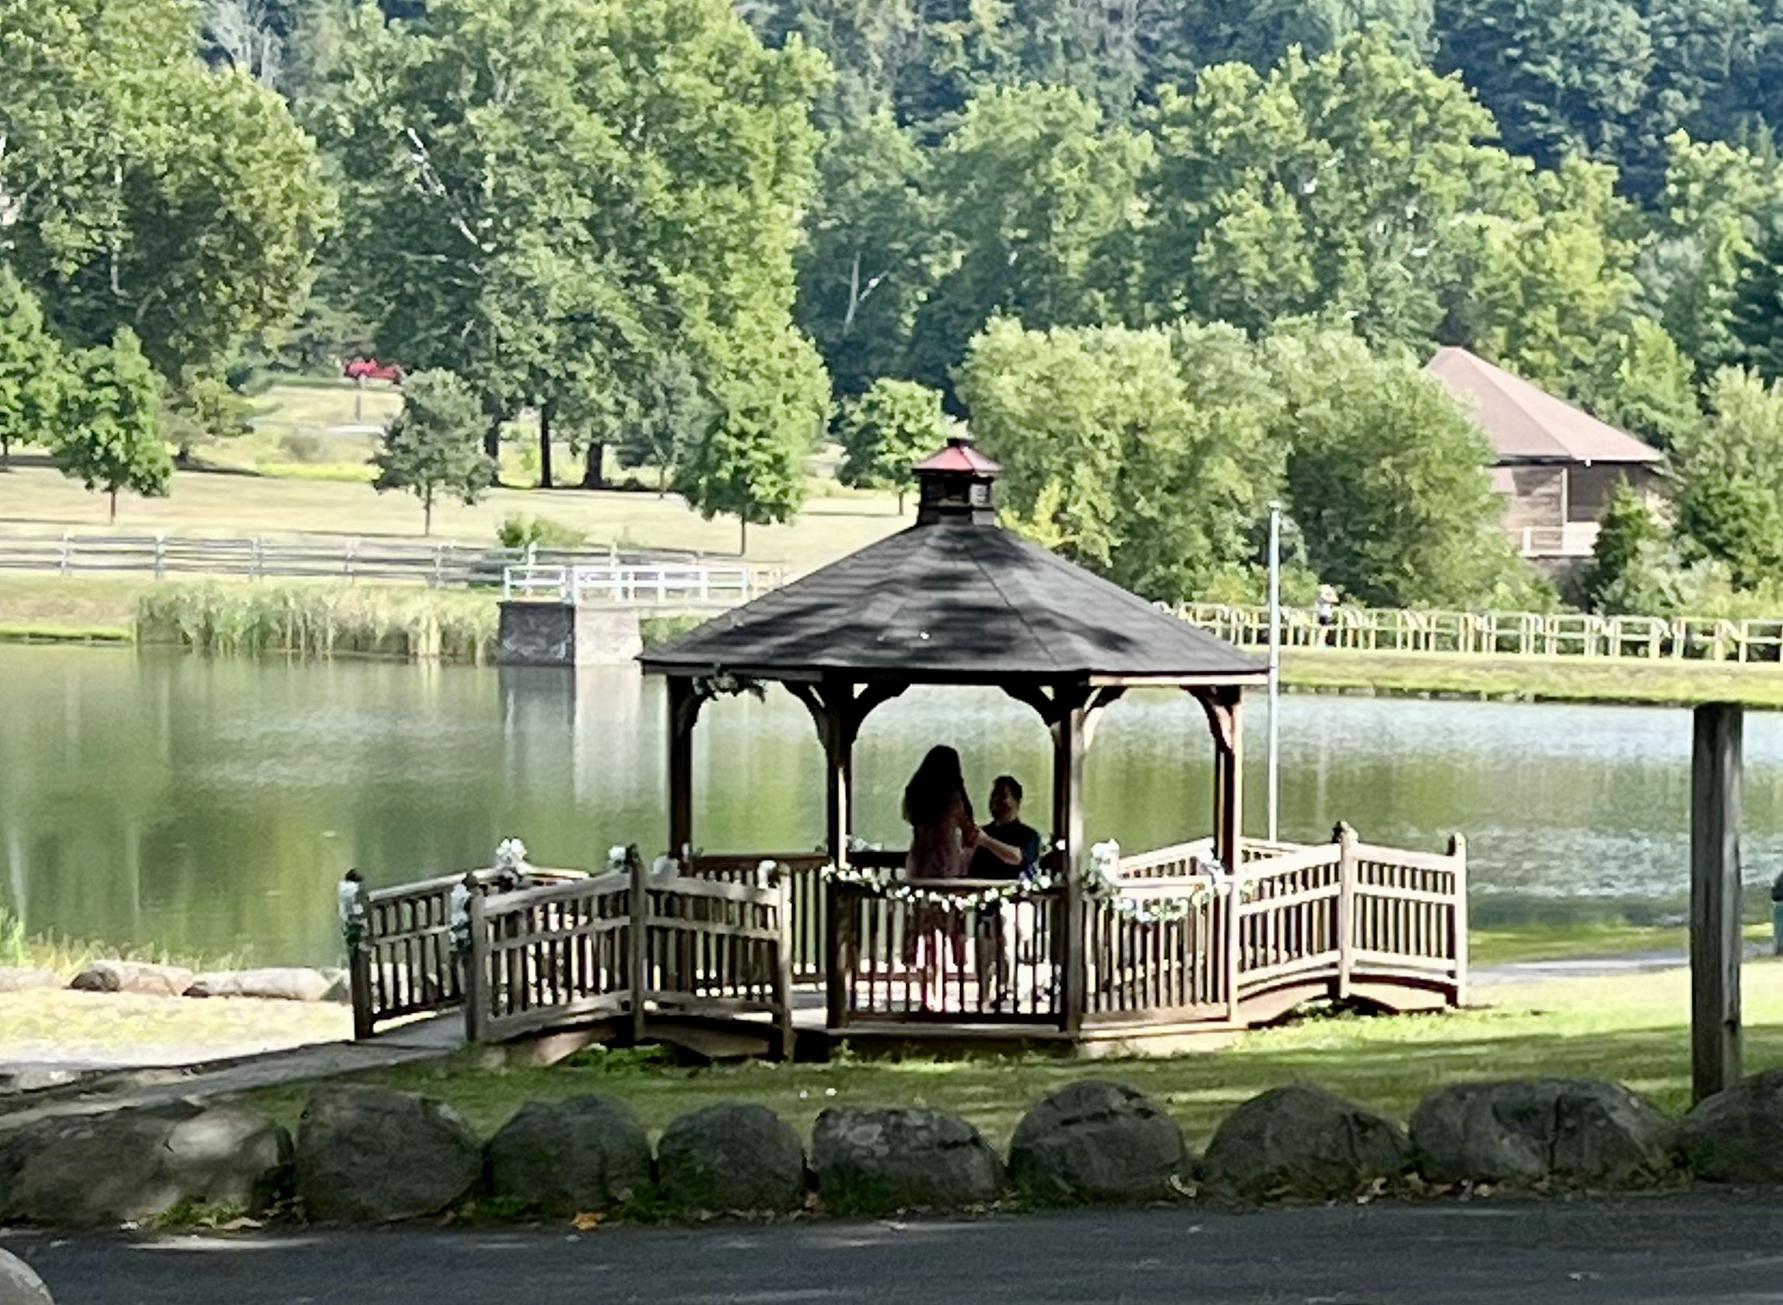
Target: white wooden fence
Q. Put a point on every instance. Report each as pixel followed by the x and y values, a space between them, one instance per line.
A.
pixel 1513 634
pixel 702 585
pixel 438 564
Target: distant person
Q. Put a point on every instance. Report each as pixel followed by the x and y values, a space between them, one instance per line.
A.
pixel 1325 610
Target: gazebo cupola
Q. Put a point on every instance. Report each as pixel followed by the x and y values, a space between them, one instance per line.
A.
pixel 957 484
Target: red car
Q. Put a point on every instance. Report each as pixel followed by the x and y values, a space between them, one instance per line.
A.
pixel 370 369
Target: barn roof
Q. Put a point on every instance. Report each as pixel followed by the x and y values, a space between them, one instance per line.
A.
pixel 1527 424
pixel 955 599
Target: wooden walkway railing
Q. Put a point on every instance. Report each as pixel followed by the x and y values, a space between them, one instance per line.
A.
pixel 1499 634
pixel 577 948
pixel 404 965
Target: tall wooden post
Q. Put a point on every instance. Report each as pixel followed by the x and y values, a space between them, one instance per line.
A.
pixel 684 711
pixel 476 975
pixel 1715 942
pixel 1345 837
pixel 1068 735
pixel 638 940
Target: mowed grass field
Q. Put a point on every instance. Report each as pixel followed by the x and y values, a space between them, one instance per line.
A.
pixel 1535 679
pixel 305 470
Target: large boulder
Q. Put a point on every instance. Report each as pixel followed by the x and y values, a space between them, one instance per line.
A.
pixel 24 979
pixel 1303 1143
pixel 1736 1136
pixel 133 976
pixel 133 1165
pixel 872 1160
pixel 280 984
pixel 370 1155
pixel 564 1157
pixel 731 1157
pixel 1574 1131
pixel 1096 1141
pixel 19 1285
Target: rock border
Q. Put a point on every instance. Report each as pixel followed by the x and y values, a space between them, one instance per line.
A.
pixel 1092 1141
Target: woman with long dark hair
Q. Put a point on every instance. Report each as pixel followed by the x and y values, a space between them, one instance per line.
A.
pixel 943 837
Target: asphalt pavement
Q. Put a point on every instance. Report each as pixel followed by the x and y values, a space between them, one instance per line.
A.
pixel 1663 1250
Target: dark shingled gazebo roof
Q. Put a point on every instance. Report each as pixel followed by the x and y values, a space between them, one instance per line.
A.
pixel 955 599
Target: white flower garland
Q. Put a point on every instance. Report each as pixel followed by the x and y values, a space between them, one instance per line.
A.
pixel 958 903
pixel 510 856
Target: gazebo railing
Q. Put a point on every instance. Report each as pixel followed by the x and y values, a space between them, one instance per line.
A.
pixel 934 952
pixel 1176 943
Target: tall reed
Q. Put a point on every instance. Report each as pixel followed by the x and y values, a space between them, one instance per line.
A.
pixel 320 620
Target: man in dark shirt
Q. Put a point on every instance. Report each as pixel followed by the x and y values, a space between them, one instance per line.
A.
pixel 1000 927
pixel 1006 827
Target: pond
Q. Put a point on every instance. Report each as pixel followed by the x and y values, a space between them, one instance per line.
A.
pixel 212 804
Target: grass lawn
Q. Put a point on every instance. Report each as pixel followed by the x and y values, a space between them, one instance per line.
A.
pixel 1547 942
pixel 36 499
pixel 53 607
pixel 1629 1028
pixel 1545 679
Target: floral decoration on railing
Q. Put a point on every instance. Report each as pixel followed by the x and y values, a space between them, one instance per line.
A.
pixel 1102 883
pixel 510 857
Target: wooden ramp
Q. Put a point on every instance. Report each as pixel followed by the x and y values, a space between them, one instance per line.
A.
pixel 700 963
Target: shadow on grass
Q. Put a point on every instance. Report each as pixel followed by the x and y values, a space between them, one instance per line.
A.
pixel 1387 1064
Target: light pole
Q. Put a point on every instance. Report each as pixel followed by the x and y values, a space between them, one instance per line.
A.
pixel 1275 665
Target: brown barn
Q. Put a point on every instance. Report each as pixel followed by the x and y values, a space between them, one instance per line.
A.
pixel 1554 464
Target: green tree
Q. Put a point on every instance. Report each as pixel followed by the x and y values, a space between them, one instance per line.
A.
pixel 1645 384
pixel 1031 187
pixel 1709 218
pixel 30 369
pixel 432 447
pixel 1562 77
pixel 1106 433
pixel 749 463
pixel 1353 185
pixel 1727 477
pixel 886 431
pixel 1757 312
pixel 672 414
pixel 1553 287
pixel 1387 479
pixel 579 185
pixel 110 420
pixel 869 257
pixel 148 191
pixel 1627 532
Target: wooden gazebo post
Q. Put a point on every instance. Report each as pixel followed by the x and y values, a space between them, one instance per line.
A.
pixel 684 713
pixel 1069 743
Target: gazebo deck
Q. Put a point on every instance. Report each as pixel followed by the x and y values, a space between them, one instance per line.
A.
pixel 794 953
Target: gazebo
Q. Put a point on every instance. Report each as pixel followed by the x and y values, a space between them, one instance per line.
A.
pixel 957 600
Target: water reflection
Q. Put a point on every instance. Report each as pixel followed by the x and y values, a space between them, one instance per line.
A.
pixel 212 803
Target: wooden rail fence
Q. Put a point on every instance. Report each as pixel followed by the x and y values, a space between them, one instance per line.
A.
pixel 1501 634
pixel 441 565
